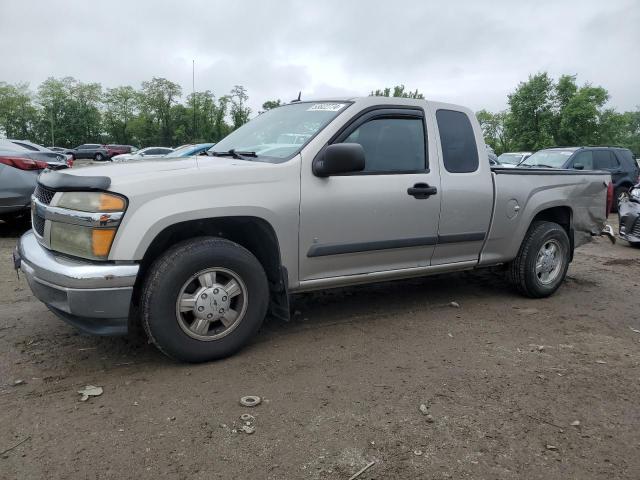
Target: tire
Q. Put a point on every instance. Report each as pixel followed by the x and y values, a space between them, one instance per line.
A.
pixel 169 279
pixel 98 157
pixel 522 272
pixel 619 194
pixel 635 244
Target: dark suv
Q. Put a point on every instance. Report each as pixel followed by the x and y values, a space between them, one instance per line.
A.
pixel 91 150
pixel 618 161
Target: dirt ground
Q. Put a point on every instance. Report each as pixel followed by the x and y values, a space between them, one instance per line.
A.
pixel 504 378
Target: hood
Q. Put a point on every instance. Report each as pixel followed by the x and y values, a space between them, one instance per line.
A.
pixel 130 178
pixel 135 169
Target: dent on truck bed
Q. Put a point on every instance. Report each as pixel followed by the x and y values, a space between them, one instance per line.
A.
pixel 536 192
pixel 589 218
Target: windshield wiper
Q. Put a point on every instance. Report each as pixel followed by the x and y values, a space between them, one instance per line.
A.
pixel 234 154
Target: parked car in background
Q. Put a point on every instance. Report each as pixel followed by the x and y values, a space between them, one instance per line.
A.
pixel 493 158
pixel 113 150
pixel 95 151
pixel 511 159
pixel 42 154
pixel 629 217
pixel 70 152
pixel 145 153
pixel 190 150
pixel 19 170
pixel 615 160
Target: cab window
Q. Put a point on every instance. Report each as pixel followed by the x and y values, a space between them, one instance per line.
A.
pixel 391 145
pixel 459 150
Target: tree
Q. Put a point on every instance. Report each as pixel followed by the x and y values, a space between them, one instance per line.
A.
pixel 220 127
pixel 495 129
pixel 239 111
pixel 57 112
pixel 271 104
pixel 85 123
pixel 120 108
pixel 531 113
pixel 580 118
pixel 18 116
pixel 156 99
pixel 398 91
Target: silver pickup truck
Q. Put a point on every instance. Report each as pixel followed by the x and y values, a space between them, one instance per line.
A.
pixel 307 196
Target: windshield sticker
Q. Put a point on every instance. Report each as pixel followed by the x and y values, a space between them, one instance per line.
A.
pixel 325 107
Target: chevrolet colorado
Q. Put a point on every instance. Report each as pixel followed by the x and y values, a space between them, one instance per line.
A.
pixel 198 250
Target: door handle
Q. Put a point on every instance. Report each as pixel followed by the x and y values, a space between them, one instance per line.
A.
pixel 421 190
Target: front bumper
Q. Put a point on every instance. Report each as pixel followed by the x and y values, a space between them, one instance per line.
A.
pixel 629 221
pixel 94 297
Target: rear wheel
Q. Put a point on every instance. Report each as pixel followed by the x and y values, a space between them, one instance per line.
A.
pixel 542 262
pixel 204 299
pixel 99 157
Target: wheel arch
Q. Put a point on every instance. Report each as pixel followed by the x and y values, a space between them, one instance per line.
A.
pixel 253 233
pixel 563 216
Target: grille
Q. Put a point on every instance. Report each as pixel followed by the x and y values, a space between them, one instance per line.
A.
pixel 44 194
pixel 38 224
pixel 635 231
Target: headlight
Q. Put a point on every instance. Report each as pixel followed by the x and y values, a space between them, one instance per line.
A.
pixel 84 224
pixel 635 194
pixel 92 202
pixel 79 241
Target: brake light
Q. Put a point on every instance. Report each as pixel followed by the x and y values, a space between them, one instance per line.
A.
pixel 609 198
pixel 23 163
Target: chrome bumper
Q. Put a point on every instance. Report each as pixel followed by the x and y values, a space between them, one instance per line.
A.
pixel 92 296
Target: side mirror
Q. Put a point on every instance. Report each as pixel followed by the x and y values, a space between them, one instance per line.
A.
pixel 578 166
pixel 141 154
pixel 339 158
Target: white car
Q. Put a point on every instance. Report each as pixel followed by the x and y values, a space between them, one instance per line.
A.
pixel 149 152
pixel 512 159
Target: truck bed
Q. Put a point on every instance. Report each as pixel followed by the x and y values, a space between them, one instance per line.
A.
pixel 521 193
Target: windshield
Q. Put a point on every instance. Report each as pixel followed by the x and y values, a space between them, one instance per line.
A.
pixel 282 132
pixel 510 158
pixel 548 158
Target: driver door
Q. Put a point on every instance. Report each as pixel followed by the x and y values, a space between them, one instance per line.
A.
pixel 369 221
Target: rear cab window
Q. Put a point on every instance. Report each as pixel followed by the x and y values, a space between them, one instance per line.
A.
pixel 459 149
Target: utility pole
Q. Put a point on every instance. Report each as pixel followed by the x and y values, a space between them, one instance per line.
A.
pixel 193 90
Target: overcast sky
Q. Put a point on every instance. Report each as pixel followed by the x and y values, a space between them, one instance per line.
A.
pixel 469 52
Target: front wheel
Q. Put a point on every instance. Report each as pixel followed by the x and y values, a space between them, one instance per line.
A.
pixel 204 299
pixel 542 262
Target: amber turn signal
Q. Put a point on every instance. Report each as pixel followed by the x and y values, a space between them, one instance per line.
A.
pixel 111 203
pixel 101 240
